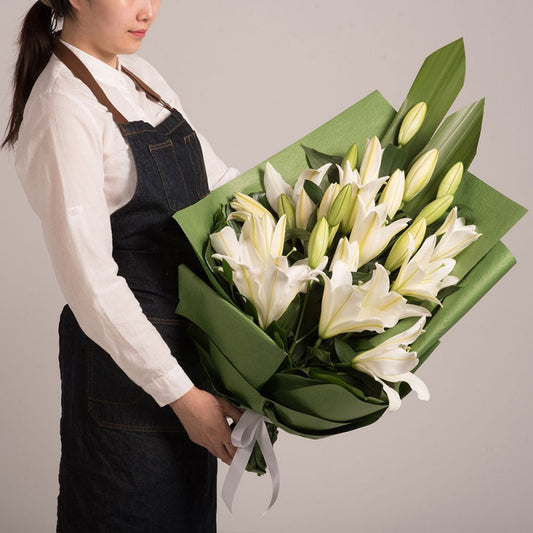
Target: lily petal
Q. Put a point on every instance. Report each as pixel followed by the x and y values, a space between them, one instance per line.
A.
pixel 275 186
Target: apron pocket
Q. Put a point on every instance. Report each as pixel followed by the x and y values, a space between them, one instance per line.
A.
pixel 196 158
pixel 115 401
pixel 171 175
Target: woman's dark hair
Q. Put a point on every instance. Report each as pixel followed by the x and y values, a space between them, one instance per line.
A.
pixel 35 48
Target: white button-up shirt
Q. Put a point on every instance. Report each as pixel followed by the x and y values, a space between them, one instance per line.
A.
pixel 77 169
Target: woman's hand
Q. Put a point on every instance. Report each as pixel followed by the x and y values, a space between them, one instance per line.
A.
pixel 204 418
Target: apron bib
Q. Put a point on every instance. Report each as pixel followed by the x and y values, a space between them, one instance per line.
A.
pixel 127 465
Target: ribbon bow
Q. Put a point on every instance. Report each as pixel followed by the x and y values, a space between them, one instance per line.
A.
pixel 250 429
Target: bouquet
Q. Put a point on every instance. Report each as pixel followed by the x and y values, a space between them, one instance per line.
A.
pixel 332 271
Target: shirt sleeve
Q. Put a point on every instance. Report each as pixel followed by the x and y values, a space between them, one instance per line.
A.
pixel 59 160
pixel 218 173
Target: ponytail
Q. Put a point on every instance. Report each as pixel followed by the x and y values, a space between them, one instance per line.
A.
pixel 35 48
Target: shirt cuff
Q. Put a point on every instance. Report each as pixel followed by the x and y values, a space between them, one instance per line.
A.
pixel 169 386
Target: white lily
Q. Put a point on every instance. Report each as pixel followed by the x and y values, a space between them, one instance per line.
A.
pixel 275 185
pixel 366 192
pixel 225 243
pixel 348 308
pixel 243 206
pixel 260 273
pixel 348 253
pixel 422 277
pixel 263 239
pixel 259 239
pixel 365 184
pixel 371 231
pixel 391 361
pixel 456 236
pixel 388 306
pixel 273 287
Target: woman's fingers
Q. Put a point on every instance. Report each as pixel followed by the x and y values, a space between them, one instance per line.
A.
pixel 222 453
pixel 232 450
pixel 229 409
pixel 204 419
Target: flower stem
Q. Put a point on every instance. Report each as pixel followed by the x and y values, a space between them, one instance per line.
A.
pixel 299 325
pixel 297 341
pixel 343 365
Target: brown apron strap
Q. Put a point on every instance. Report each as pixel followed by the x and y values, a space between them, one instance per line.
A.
pixel 74 63
pixel 148 90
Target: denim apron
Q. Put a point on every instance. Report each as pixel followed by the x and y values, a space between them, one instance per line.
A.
pixel 127 465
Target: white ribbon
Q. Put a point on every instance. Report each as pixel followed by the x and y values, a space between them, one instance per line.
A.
pixel 251 428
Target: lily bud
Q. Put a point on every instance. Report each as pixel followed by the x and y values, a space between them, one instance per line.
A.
pixel 286 207
pixel 400 249
pixel 411 123
pixel 349 217
pixel 327 200
pixel 420 174
pixel 434 210
pixel 332 232
pixel 452 180
pixel 318 242
pixel 351 157
pixel 393 192
pixel 340 206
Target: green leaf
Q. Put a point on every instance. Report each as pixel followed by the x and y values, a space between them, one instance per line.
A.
pixel 344 351
pixel 456 140
pixel 279 334
pixel 447 291
pixel 288 320
pixel 279 340
pixel 313 191
pixel 393 158
pixel 437 83
pixel 219 219
pixel 320 355
pixel 262 199
pixel 316 159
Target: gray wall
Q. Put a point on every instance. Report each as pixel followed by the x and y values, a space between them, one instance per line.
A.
pixel 254 77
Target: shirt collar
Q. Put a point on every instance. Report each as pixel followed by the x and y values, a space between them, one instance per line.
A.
pixel 101 71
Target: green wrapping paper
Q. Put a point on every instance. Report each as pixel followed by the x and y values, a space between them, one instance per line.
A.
pixel 243 362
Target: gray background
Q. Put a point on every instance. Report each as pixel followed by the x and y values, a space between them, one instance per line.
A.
pixel 254 77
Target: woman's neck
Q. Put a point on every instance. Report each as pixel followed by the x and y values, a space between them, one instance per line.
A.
pixel 73 36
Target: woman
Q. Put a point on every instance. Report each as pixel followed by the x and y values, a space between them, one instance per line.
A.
pixel 105 158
